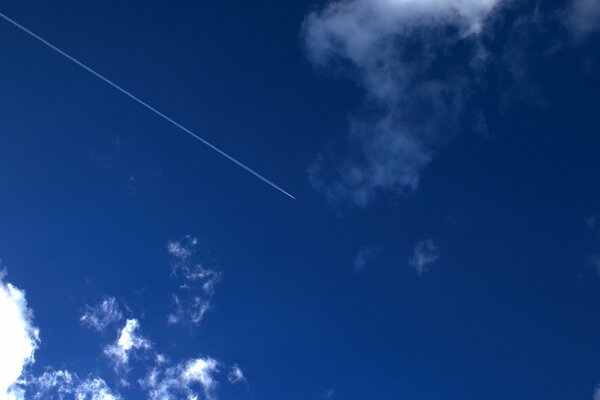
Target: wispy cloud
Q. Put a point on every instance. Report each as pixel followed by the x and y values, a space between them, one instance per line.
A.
pixel 328 395
pixel 58 384
pixel 364 257
pixel 196 282
pixel 19 339
pixel 594 261
pixel 182 379
pixel 401 53
pixel 182 249
pixel 424 255
pixel 236 375
pixel 583 16
pixel 590 222
pixel 128 342
pixel 101 316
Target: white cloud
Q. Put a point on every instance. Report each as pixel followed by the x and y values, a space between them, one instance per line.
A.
pixel 128 341
pixel 61 382
pixel 183 379
pixel 19 339
pixel 94 389
pixel 424 255
pixel 236 375
pixel 58 384
pixel 583 17
pixel 184 249
pixel 355 28
pixel 597 393
pixel 102 315
pixel 196 283
pixel 398 52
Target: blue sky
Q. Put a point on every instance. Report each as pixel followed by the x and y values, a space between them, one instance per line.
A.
pixel 445 240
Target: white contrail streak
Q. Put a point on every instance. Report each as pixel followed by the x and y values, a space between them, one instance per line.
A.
pixel 143 103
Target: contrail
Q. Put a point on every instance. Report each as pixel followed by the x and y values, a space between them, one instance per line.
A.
pixel 143 103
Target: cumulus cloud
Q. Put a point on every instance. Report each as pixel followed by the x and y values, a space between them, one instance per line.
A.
pixel 196 282
pixel 183 380
pixel 402 53
pixel 19 339
pixel 62 383
pixel 583 16
pixel 191 379
pixel 424 255
pixel 129 341
pixel 102 315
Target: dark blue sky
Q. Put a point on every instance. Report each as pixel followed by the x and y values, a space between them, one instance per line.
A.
pixel 94 187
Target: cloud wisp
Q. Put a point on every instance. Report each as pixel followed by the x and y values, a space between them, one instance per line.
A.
pixel 128 342
pixel 101 316
pixel 62 383
pixel 196 282
pixel 181 379
pixel 424 255
pixel 236 375
pixel 583 17
pixel 403 55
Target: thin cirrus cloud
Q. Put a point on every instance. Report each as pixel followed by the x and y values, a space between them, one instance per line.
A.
pixel 62 383
pixel 101 316
pixel 424 255
pixel 583 16
pixel 196 282
pixel 398 53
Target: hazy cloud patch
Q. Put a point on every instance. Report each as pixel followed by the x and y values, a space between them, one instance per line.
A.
pixel 403 54
pixel 583 17
pixel 424 255
pixel 364 257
